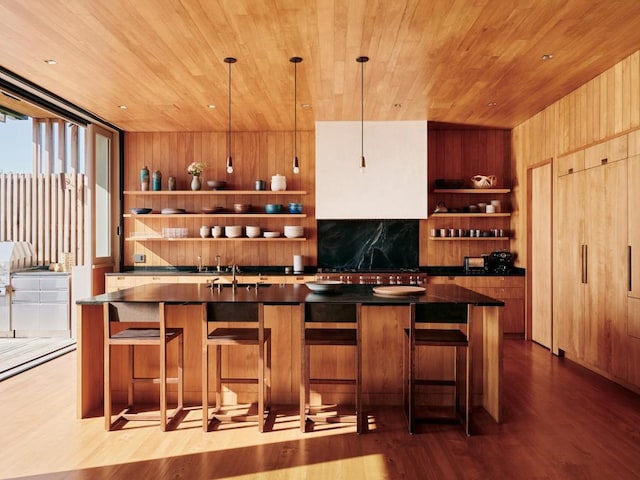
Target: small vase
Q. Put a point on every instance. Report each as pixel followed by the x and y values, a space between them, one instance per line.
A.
pixel 195 183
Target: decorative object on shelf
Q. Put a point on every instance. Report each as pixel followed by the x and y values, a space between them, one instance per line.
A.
pixel 278 182
pixel 204 231
pixel 171 183
pixel 295 208
pixel 271 234
pixel 140 211
pixel 210 210
pixel 273 208
pixel 195 183
pixel 293 231
pixel 261 185
pixel 233 231
pixel 144 179
pixel 172 211
pixel 296 164
pixel 362 61
pixel 449 183
pixel 298 265
pixel 229 61
pixel 196 168
pixel 241 207
pixel 484 181
pixel 497 206
pixel 156 181
pixel 216 184
pixel 216 231
pixel 253 231
pixel 441 208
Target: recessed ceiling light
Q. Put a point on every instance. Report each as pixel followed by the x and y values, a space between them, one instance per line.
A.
pixel 122 107
pixel 547 56
pixel 50 61
pixel 211 106
pixel 491 104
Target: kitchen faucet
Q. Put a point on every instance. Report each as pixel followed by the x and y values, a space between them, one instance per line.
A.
pixel 200 267
pixel 234 281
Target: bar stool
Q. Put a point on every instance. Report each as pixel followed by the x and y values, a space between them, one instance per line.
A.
pixel 158 336
pixel 439 337
pixel 234 336
pixel 326 336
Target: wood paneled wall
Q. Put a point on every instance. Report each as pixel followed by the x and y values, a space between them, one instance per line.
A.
pixel 463 153
pixel 605 107
pixel 257 155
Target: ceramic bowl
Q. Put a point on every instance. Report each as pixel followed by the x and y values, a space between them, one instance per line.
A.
pixel 273 208
pixel 211 209
pixel 253 231
pixel 271 234
pixel 216 184
pixel 324 286
pixel 295 208
pixel 241 207
pixel 140 211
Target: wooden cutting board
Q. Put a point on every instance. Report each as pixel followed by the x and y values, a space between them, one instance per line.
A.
pixel 398 290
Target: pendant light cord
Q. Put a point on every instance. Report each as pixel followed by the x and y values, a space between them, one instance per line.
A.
pixel 295 61
pixel 362 61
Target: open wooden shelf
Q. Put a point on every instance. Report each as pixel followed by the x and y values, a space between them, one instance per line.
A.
pixel 213 215
pixel 209 239
pixel 472 190
pixel 212 192
pixel 461 239
pixel 474 215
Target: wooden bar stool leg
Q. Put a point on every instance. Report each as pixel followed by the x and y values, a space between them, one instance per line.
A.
pixel 180 373
pixel 107 387
pixel 268 383
pixel 218 378
pixel 360 418
pixel 205 387
pixel 163 385
pixel 261 393
pixel 131 351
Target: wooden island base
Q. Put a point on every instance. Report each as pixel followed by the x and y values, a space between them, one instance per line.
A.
pixel 382 337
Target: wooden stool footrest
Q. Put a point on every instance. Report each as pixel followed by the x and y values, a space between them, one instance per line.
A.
pixel 330 336
pixel 237 336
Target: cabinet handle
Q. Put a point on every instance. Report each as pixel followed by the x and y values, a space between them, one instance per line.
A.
pixel 629 267
pixel 584 263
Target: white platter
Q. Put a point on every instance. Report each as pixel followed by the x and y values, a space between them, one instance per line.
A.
pixel 320 286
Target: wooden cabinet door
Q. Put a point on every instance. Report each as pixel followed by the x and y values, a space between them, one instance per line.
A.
pixel 606 238
pixel 568 298
pixel 633 224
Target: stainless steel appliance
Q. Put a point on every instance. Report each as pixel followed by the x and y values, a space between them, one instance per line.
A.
pixel 14 256
pixel 500 262
pixel 476 265
pixel 386 277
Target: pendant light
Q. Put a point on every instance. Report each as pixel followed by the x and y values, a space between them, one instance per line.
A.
pixel 362 61
pixel 229 61
pixel 296 164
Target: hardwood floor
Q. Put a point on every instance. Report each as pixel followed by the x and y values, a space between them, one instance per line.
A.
pixel 560 422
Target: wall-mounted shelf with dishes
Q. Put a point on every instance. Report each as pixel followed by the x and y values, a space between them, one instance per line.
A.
pixel 153 193
pixel 164 216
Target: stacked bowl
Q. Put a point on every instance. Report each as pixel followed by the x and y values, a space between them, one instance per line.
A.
pixel 233 231
pixel 253 231
pixel 293 231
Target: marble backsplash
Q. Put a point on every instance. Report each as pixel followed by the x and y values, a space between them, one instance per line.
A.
pixel 368 244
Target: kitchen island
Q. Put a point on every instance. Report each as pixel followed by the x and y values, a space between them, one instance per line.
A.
pixel 382 321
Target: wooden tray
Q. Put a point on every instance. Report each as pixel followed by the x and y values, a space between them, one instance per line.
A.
pixel 395 290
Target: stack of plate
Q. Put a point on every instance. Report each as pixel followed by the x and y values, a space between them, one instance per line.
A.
pixel 233 231
pixel 253 232
pixel 293 231
pixel 271 234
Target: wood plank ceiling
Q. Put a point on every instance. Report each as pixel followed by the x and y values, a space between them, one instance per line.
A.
pixel 441 60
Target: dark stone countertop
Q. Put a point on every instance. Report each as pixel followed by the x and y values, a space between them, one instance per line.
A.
pixel 288 295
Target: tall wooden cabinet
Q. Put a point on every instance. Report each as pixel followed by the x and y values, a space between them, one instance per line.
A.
pixel 590 264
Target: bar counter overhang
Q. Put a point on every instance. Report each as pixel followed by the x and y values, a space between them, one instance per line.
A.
pixel 184 309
